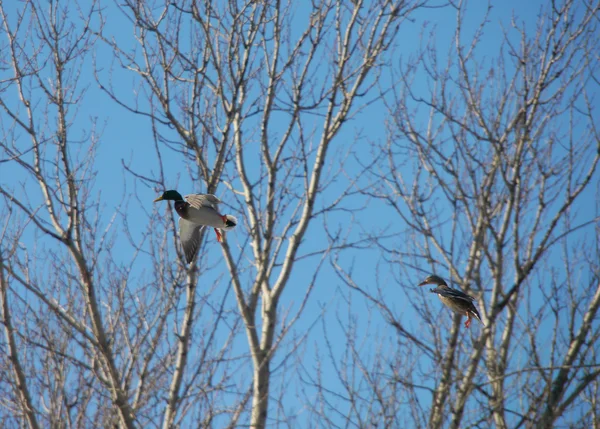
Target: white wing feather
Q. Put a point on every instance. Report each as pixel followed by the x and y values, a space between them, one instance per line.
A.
pixel 189 235
pixel 203 200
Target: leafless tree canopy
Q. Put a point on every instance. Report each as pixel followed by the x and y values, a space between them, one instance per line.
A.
pixel 487 168
pixel 491 187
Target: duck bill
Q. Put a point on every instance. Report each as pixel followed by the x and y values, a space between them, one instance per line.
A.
pixel 158 199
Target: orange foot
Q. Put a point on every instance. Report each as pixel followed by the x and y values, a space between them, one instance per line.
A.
pixel 224 219
pixel 468 322
pixel 219 236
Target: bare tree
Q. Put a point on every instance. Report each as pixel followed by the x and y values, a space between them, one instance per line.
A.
pixel 493 189
pixel 248 97
pixel 255 101
pixel 88 338
pixel 257 94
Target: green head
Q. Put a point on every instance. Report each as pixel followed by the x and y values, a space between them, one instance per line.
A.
pixel 171 195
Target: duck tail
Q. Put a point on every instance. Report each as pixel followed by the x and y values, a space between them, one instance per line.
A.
pixel 230 222
pixel 475 313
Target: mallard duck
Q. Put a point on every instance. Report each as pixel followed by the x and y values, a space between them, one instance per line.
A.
pixel 455 299
pixel 196 211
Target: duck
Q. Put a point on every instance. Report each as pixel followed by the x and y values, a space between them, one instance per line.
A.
pixel 196 211
pixel 455 299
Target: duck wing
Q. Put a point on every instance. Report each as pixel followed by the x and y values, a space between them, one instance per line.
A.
pixel 189 235
pixel 452 293
pixel 202 200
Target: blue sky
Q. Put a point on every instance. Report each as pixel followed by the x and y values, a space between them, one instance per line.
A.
pixel 126 138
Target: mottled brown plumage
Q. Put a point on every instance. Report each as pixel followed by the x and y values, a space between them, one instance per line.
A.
pixel 454 299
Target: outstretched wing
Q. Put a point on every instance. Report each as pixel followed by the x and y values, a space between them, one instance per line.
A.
pixel 202 200
pixel 189 235
pixel 452 293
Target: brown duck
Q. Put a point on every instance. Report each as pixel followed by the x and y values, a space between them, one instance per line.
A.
pixel 456 300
